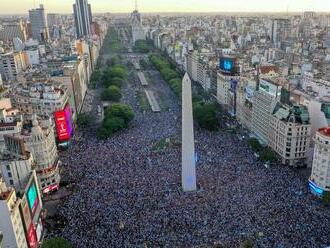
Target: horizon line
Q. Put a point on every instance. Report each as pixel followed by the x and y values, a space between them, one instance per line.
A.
pixel 181 12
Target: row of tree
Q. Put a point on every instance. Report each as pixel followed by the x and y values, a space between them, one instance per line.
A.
pixel 167 71
pixel 117 117
pixel 142 46
pixel 112 79
pixel 205 113
pixel 264 152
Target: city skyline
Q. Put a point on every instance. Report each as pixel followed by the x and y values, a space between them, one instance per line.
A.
pixel 125 6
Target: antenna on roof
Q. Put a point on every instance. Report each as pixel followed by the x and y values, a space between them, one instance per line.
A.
pixel 136 5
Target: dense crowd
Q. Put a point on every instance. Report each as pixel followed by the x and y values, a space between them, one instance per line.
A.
pixel 129 195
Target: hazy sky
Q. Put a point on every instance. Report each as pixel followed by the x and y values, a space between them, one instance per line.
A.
pixel 65 6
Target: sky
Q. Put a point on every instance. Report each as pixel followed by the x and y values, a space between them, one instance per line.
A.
pixel 102 6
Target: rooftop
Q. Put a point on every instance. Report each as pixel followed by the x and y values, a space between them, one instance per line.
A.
pixel 5 195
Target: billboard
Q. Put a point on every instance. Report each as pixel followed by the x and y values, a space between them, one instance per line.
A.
pixel 270 88
pixel 315 189
pixel 63 123
pixel 32 237
pixel 26 212
pixel 227 65
pixel 32 197
pixel 50 188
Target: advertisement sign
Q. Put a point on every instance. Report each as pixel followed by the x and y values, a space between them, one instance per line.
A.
pixel 315 189
pixel 270 88
pixel 32 197
pixel 227 65
pixel 68 117
pixel 50 188
pixel 39 230
pixel 63 123
pixel 26 212
pixel 32 237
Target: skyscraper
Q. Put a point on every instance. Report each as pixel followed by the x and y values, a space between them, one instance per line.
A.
pixel 38 23
pixel 83 18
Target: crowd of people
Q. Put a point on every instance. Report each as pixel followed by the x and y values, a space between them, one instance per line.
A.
pixel 127 194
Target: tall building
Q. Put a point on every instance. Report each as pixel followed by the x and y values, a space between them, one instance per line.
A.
pixel 11 224
pixel 42 99
pixel 263 104
pixel 280 31
pixel 289 133
pixel 11 120
pixel 319 180
pixel 83 18
pixel 11 30
pixel 41 143
pixel 16 162
pixel 38 22
pixel 11 64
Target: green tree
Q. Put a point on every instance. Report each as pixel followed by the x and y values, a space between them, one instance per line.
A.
pixel 205 115
pixel 118 71
pixel 122 111
pixel 103 133
pixel 114 124
pixel 112 93
pixel 326 198
pixel 96 76
pixel 56 243
pixel 255 145
pixel 84 120
pixel 141 46
pixel 143 64
pixel 246 244
pixel 168 74
pixel 114 81
pixel 267 155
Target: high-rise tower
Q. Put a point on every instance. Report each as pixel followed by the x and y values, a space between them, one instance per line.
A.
pixel 38 24
pixel 83 18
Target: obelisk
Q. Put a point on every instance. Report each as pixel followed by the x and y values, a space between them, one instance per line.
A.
pixel 188 142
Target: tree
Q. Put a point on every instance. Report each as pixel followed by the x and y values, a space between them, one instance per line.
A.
pixel 141 46
pixel 205 115
pixel 326 198
pixel 56 243
pixel 246 244
pixel 114 81
pixel 267 155
pixel 114 124
pixel 118 71
pixel 122 111
pixel 168 74
pixel 143 64
pixel 117 117
pixel 255 144
pixel 84 120
pixel 96 76
pixel 103 133
pixel 112 94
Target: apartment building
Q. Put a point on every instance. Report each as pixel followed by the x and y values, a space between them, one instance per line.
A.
pixel 289 133
pixel 320 176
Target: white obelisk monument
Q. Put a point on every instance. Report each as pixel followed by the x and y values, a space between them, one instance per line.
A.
pixel 188 142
